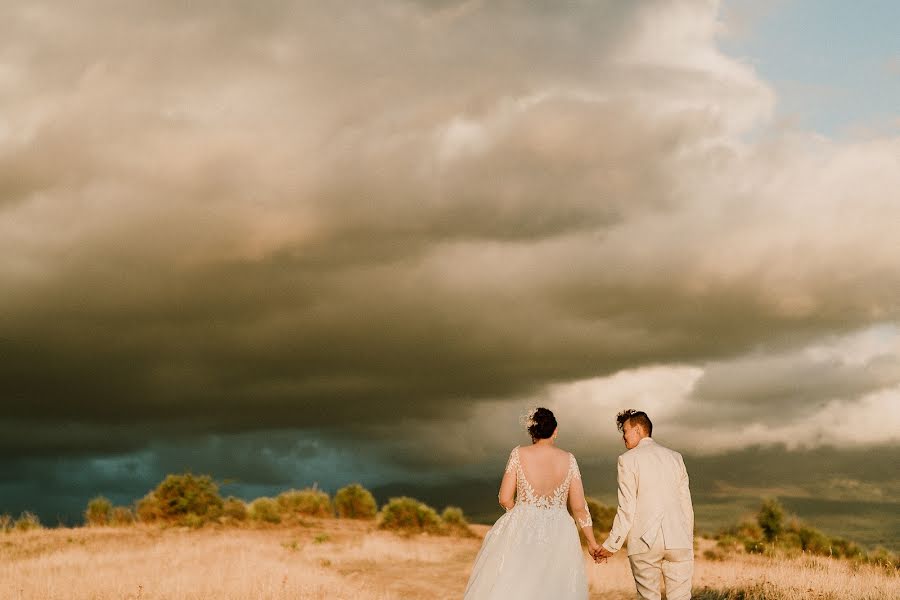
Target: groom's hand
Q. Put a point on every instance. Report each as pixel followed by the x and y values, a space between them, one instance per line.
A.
pixel 602 554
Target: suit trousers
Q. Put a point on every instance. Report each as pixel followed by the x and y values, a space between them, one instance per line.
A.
pixel 676 566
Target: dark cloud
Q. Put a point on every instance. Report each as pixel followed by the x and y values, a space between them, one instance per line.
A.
pixel 395 224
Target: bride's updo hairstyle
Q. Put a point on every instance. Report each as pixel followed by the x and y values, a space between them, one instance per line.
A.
pixel 541 424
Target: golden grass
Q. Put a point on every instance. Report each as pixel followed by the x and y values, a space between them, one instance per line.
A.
pixel 759 578
pixel 336 559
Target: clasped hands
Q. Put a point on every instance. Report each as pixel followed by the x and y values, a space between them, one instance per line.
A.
pixel 600 554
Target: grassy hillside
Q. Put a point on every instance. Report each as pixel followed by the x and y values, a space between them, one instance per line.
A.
pixel 339 559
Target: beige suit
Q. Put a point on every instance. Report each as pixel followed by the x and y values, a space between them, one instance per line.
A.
pixel 656 518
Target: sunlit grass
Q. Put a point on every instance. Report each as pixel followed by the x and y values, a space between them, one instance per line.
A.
pixel 337 559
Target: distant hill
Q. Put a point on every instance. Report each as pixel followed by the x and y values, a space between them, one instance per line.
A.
pixel 868 523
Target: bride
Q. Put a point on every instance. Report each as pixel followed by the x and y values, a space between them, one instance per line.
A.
pixel 533 550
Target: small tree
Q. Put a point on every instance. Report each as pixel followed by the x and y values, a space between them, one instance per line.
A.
pixel 884 558
pixel 188 497
pixel 234 509
pixel 310 501
pixel 771 519
pixel 265 510
pixel 148 510
pixel 121 516
pixel 813 541
pixel 98 512
pixel 409 515
pixel 355 502
pixel 455 523
pixel 453 515
pixel 28 521
pixel 841 548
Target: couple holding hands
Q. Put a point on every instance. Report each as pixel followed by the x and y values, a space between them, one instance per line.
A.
pixel 533 551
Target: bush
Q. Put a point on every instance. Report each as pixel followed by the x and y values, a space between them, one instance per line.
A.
pixel 6 522
pixel 409 515
pixel 453 515
pixel 121 516
pixel 601 515
pixel 747 530
pixel 355 502
pixel 455 523
pixel 188 499
pixel 771 519
pixel 713 555
pixel 28 521
pixel 309 501
pixel 98 512
pixel 727 542
pixel 234 509
pixel 265 510
pixel 813 541
pixel 148 509
pixel 884 558
pixel 771 536
pixel 841 548
pixel 754 546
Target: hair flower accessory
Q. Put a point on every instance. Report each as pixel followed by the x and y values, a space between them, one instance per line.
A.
pixel 527 418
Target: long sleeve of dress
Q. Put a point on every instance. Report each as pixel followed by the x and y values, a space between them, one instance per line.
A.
pixel 577 501
pixel 506 495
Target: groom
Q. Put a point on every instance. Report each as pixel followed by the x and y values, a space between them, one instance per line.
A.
pixel 655 514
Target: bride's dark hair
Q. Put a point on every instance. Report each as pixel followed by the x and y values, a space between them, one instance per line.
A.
pixel 542 424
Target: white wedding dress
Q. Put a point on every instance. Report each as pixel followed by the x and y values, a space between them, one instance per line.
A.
pixel 533 551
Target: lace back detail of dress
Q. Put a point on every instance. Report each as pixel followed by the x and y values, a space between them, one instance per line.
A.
pixel 526 494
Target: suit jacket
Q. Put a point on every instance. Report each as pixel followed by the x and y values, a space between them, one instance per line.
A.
pixel 654 499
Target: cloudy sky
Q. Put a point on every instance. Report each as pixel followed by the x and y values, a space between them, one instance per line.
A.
pixel 297 242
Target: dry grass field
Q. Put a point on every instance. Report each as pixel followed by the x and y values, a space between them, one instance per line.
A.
pixel 340 559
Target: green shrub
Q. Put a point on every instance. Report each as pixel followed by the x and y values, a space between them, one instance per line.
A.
pixel 747 530
pixel 234 509
pixel 455 523
pixel 601 515
pixel 713 555
pixel 813 541
pixel 841 548
pixel 727 542
pixel 310 501
pixel 265 510
pixel 770 519
pixel 453 515
pixel 355 502
pixel 192 520
pixel 121 516
pixel 28 521
pixel 188 498
pixel 883 557
pixel 754 546
pixel 148 509
pixel 770 535
pixel 409 515
pixel 98 512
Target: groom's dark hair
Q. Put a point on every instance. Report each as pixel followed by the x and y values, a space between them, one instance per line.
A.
pixel 637 417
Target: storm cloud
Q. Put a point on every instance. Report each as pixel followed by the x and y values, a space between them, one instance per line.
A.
pixel 400 223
